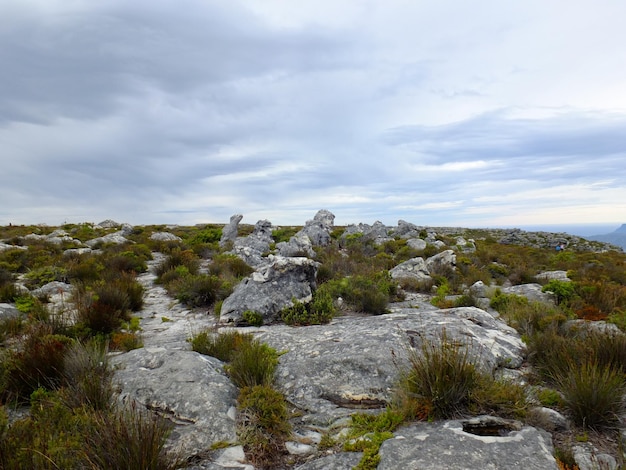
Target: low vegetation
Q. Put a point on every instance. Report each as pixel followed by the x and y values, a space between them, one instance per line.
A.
pixel 55 361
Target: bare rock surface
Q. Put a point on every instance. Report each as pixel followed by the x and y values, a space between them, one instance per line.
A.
pixel 446 445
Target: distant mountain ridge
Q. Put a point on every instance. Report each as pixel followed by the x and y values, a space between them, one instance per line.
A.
pixel 618 237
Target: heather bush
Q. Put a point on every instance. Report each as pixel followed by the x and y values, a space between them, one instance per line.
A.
pixel 200 289
pixel 103 308
pixel 176 258
pixel 563 290
pixel 229 266
pixel 252 318
pixel 38 362
pixel 263 424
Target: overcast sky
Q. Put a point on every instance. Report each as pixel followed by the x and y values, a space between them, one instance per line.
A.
pixel 448 112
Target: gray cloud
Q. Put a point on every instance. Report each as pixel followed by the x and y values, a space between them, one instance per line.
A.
pixel 189 112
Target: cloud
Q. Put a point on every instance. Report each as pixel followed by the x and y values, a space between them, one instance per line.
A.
pixel 438 113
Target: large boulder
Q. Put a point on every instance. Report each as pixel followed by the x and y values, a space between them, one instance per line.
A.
pixel 165 237
pixel 451 445
pixel 318 230
pixel 230 230
pixel 272 288
pixel 531 291
pixel 187 388
pixel 298 245
pixel 252 248
pixel 406 230
pixel 415 268
pixel 441 262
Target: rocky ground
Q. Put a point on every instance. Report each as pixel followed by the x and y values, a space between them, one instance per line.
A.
pixel 326 372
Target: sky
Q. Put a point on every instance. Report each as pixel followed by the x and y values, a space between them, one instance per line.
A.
pixel 487 113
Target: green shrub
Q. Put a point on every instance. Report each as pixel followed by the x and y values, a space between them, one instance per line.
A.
pixel 125 341
pixel 563 290
pixel 593 394
pixel 40 276
pixel 252 318
pixel 229 266
pixel 263 424
pixel 223 346
pixel 200 290
pixel 176 258
pixel 550 398
pixel 253 364
pixel 441 375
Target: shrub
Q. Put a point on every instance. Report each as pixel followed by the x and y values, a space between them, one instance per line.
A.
pixel 125 341
pixel 223 346
pixel 593 394
pixel 87 377
pixel 176 258
pixel 441 375
pixel 229 267
pixel 37 363
pixel 252 317
pixel 563 290
pixel 132 439
pixel 263 424
pixel 253 364
pixel 200 290
pixel 103 309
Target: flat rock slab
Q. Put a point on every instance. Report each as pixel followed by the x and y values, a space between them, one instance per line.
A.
pixel 329 370
pixel 445 446
pixel 189 389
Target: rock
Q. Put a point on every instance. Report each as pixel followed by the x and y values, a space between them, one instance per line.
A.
pixel 340 461
pixel 531 291
pixel 446 445
pixel 253 247
pixel 117 238
pixel 352 362
pixel 5 246
pixel 318 230
pixel 8 311
pixel 108 223
pixel 479 289
pixel 441 262
pixel 298 245
pixel 272 288
pixel 589 458
pixel 76 251
pixel 415 268
pixel 230 231
pixel 53 288
pixel 165 237
pixel 556 275
pixel 406 230
pixel 416 243
pixel 465 246
pixel 187 388
pixel 548 419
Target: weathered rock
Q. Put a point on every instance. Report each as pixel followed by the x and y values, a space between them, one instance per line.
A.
pixel 589 458
pixel 8 311
pixel 318 230
pixel 441 262
pixel 272 288
pixel 53 288
pixel 108 223
pixel 446 445
pixel 76 251
pixel 406 230
pixel 298 245
pixel 531 291
pixel 352 362
pixel 165 237
pixel 230 231
pixel 340 461
pixel 189 389
pixel 416 243
pixel 557 275
pixel 252 248
pixel 117 238
pixel 6 246
pixel 415 268
pixel 465 246
pixel 548 419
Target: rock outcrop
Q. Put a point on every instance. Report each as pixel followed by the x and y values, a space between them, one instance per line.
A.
pixel 253 248
pixel 272 288
pixel 230 231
